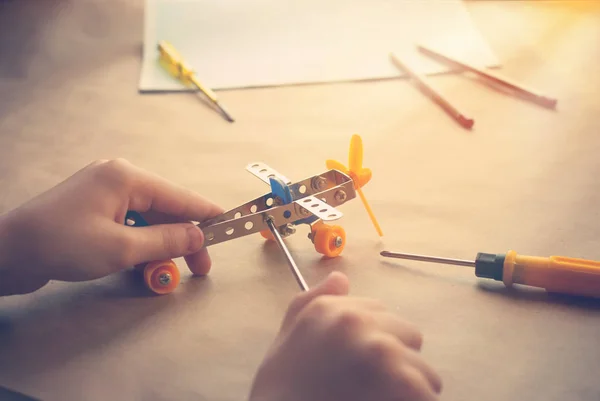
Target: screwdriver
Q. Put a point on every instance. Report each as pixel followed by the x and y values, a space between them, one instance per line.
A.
pixel 556 274
pixel 172 61
pixel 288 256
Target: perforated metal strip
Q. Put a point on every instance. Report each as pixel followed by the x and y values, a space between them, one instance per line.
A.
pixel 249 218
pixel 319 208
pixel 264 172
pixel 250 224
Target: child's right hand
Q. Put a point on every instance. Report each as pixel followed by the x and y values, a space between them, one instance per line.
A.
pixel 334 347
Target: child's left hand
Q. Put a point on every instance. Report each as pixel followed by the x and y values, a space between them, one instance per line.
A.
pixel 76 231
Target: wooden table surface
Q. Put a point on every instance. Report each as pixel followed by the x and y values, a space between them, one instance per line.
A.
pixel 525 178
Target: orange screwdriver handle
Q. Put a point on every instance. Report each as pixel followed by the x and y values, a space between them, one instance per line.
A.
pixel 556 274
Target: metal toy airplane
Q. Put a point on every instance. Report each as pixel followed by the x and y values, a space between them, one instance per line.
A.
pixel 311 201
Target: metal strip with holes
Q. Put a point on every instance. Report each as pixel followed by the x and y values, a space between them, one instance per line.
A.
pixel 264 172
pixel 249 218
pixel 319 208
pixel 315 185
pixel 249 224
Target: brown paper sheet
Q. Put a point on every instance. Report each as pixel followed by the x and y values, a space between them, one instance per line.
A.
pixel 526 179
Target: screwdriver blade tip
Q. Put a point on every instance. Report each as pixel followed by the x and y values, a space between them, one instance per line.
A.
pixel 225 113
pixel 229 118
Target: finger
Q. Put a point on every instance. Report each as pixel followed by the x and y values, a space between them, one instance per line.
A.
pixel 335 284
pixel 433 378
pixel 413 385
pixel 199 263
pixel 406 332
pixel 160 242
pixel 151 192
pixel 14 284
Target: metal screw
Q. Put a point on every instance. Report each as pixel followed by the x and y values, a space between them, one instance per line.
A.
pixel 164 278
pixel 319 183
pixel 338 242
pixel 288 229
pixel 340 196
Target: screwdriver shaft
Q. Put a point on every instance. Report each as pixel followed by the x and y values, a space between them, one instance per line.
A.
pixel 423 258
pixel 288 256
pixel 213 98
pixel 224 112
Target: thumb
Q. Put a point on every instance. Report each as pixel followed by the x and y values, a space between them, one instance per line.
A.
pixel 163 241
pixel 336 283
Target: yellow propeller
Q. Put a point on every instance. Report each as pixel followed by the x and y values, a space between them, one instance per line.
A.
pixel 360 175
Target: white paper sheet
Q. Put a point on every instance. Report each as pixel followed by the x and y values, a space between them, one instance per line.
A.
pixel 258 43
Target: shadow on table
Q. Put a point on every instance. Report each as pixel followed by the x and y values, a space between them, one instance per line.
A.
pixel 516 293
pixel 46 44
pixel 275 257
pixel 22 27
pixel 7 394
pixel 539 295
pixel 68 320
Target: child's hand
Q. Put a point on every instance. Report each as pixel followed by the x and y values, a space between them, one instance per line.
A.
pixel 332 347
pixel 76 231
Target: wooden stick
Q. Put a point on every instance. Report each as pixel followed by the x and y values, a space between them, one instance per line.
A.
pixel 433 94
pixel 495 78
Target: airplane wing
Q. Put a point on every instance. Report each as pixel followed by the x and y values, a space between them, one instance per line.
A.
pixel 264 172
pixel 319 208
pixel 314 206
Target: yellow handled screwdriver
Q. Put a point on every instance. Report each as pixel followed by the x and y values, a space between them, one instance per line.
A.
pixel 174 64
pixel 557 274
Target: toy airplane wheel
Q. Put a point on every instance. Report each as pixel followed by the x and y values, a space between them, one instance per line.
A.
pixel 329 240
pixel 161 277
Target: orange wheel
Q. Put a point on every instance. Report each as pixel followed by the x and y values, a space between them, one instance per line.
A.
pixel 161 277
pixel 267 234
pixel 329 240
